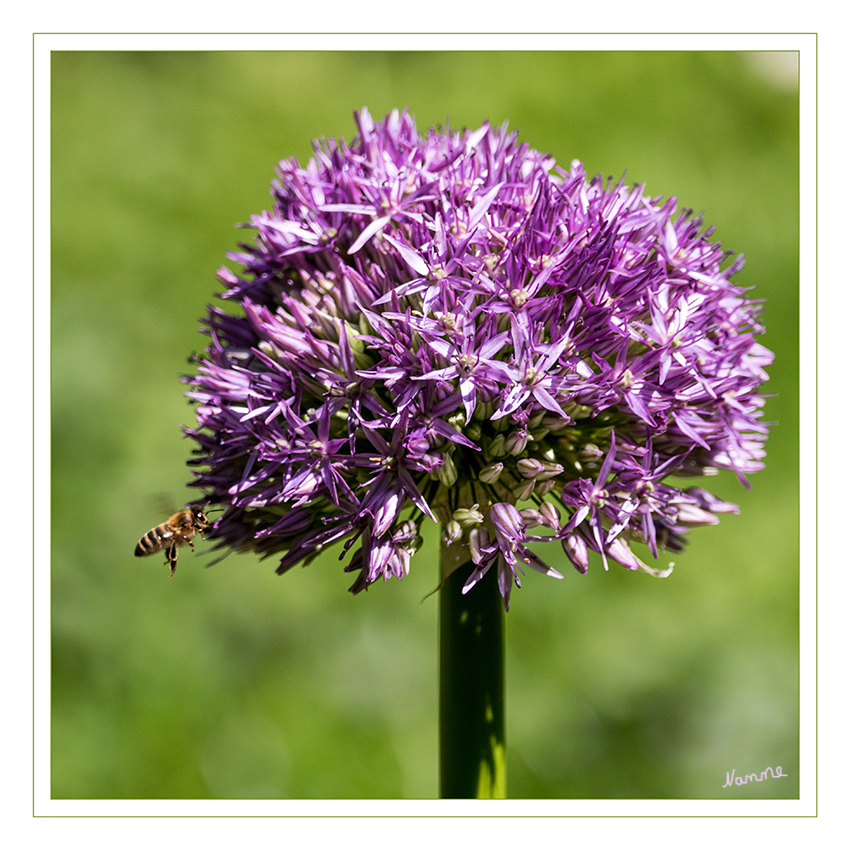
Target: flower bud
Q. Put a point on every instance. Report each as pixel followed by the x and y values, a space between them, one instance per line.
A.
pixel 529 467
pixel 468 516
pixel 576 411
pixel 517 441
pixel 553 422
pixel 589 452
pixel 710 502
pixel 551 515
pixel 693 516
pixel 523 491
pixel 500 424
pixel 479 543
pixel 576 550
pixel 497 446
pixel 531 517
pixel 355 343
pixel 452 532
pixel 507 521
pixel 542 488
pixel 457 420
pixel 405 532
pixel 490 474
pixel 483 410
pixel 447 472
pixel 539 470
pixel 472 431
pixel 536 419
pixel 550 470
pixel 417 445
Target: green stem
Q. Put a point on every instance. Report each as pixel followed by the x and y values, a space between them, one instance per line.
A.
pixel 472 687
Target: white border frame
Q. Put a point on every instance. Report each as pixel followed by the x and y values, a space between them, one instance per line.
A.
pixel 44 806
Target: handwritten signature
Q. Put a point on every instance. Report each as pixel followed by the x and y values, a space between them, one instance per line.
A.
pixel 731 779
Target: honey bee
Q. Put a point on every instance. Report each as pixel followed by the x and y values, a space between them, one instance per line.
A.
pixel 176 531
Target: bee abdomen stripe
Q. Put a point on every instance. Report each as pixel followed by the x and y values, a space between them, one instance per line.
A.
pixel 150 543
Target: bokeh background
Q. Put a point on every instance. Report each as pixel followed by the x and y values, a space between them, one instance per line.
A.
pixel 231 682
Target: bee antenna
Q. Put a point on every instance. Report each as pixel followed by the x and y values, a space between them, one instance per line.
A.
pixel 204 505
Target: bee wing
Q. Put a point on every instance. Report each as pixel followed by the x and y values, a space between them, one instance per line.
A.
pixel 165 506
pixel 214 561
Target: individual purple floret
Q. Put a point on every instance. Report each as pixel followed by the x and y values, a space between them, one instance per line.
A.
pixel 451 328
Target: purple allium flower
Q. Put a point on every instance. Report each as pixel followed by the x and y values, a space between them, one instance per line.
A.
pixel 450 327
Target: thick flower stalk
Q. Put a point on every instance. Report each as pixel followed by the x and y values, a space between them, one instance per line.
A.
pixel 450 328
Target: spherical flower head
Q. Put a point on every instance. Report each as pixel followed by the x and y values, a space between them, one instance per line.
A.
pixel 450 328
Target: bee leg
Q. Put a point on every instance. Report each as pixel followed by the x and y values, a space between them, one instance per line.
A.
pixel 171 554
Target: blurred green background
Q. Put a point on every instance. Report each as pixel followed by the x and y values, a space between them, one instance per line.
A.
pixel 231 682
